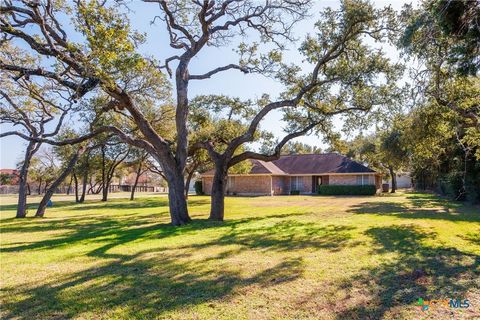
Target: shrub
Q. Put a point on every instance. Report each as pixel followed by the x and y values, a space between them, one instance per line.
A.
pixel 329 190
pixel 451 185
pixel 295 192
pixel 198 187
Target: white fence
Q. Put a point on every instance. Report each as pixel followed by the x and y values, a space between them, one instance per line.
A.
pixel 7 189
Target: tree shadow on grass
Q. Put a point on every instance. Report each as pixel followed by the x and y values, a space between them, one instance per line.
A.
pixel 151 282
pixel 32 205
pixel 432 200
pixel 421 207
pixel 121 203
pixel 139 286
pixel 473 238
pixel 153 202
pixel 33 224
pixel 286 235
pixel 418 271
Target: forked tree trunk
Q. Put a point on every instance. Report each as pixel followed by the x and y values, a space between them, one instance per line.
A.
pixel 108 174
pixel 22 180
pixel 219 184
pixel 137 177
pixel 394 180
pixel 49 192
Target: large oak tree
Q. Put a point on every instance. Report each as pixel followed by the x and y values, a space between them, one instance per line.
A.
pixel 107 52
pixel 345 74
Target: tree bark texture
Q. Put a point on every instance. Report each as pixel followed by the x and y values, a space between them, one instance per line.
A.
pixel 219 184
pixel 22 179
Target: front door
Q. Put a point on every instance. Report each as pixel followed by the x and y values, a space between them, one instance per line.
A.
pixel 316 181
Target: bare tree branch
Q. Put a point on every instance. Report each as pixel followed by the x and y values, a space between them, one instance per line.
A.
pixel 278 148
pixel 217 70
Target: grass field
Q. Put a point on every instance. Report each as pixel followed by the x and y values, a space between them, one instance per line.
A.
pixel 285 257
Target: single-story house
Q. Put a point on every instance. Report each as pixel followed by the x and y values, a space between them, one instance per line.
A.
pixel 303 173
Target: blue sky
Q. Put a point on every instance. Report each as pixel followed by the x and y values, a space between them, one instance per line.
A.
pixel 233 83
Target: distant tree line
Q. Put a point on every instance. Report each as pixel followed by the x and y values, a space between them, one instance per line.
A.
pixel 437 136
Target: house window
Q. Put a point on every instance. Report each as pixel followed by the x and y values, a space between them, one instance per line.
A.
pixel 360 180
pixel 296 183
pixel 364 180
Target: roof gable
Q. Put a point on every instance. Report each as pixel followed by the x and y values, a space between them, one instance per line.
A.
pixel 260 166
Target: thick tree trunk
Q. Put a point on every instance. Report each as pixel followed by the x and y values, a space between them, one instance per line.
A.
pixel 219 184
pixel 174 168
pixel 49 192
pixel 22 180
pixel 394 180
pixel 137 177
pixel 176 199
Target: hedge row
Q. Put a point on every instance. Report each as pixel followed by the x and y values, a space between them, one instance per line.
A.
pixel 330 190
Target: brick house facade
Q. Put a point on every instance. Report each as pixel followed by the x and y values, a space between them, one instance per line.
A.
pixel 302 173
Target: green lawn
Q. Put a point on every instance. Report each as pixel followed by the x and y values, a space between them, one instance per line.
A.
pixel 285 257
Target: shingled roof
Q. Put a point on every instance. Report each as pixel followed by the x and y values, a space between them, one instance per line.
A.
pixel 307 164
pixel 319 163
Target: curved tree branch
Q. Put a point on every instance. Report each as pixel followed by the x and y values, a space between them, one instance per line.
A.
pixel 217 70
pixel 278 148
